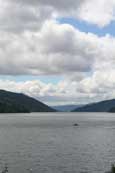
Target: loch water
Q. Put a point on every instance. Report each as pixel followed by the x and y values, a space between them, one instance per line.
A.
pixel 50 143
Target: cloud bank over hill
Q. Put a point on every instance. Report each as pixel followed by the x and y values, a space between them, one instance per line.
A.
pixel 33 42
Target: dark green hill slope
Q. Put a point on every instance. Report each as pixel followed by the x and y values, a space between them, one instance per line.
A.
pixel 112 110
pixel 12 108
pixel 103 106
pixel 14 102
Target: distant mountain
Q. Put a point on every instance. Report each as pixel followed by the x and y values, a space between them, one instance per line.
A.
pixel 66 108
pixel 103 106
pixel 14 102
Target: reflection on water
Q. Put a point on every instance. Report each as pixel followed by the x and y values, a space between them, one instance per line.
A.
pixel 50 143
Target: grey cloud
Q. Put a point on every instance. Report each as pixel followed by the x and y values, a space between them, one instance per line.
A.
pixel 17 17
pixel 37 54
pixel 23 15
pixel 53 3
pixel 55 49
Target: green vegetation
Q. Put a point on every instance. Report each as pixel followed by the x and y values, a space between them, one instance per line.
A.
pixel 17 103
pixel 113 169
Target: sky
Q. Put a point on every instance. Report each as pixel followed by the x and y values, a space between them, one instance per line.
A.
pixel 59 52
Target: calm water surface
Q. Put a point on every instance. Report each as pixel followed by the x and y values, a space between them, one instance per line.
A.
pixel 49 143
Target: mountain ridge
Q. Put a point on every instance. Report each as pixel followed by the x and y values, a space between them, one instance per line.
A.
pixel 102 106
pixel 19 102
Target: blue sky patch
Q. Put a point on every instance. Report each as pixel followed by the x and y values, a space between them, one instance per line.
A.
pixel 85 27
pixel 45 79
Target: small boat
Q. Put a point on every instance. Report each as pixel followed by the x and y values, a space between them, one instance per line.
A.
pixel 76 125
